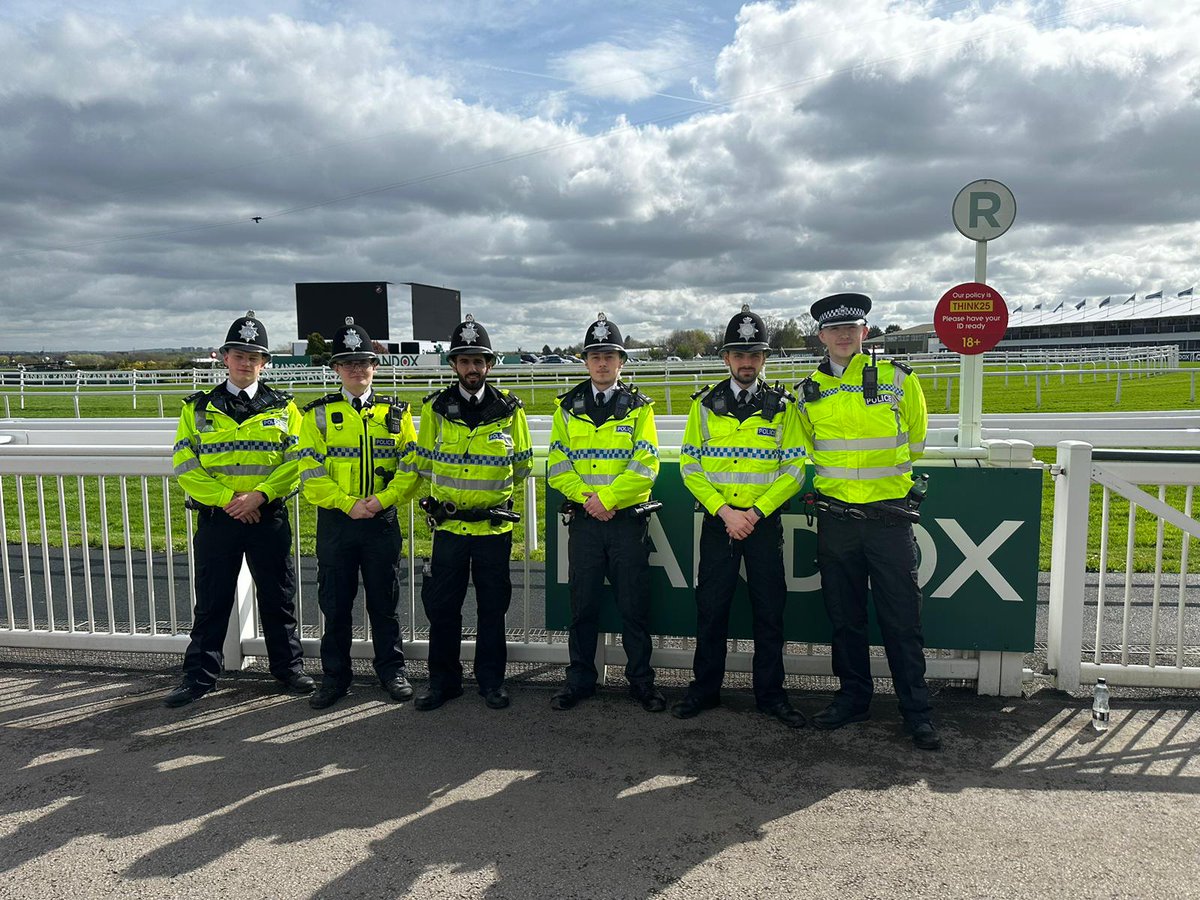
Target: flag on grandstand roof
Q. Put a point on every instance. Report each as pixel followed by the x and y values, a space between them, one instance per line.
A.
pixel 1157 295
pixel 1081 304
pixel 1104 302
pixel 1130 300
pixel 1019 308
pixel 1037 305
pixel 1060 306
pixel 1186 293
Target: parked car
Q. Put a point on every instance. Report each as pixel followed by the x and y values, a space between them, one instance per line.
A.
pixel 530 359
pixel 555 360
pixel 674 359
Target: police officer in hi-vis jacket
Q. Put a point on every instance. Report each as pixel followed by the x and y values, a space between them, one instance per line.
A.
pixel 604 459
pixel 742 459
pixel 473 448
pixel 234 458
pixel 864 424
pixel 357 463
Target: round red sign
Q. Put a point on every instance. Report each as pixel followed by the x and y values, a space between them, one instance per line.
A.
pixel 970 318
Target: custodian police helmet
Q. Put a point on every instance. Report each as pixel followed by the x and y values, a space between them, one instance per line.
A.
pixel 247 333
pixel 747 332
pixel 470 337
pixel 603 335
pixel 351 342
pixel 841 309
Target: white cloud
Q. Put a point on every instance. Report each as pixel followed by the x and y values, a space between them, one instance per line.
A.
pixel 842 136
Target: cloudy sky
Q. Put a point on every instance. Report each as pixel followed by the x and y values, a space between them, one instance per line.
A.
pixel 664 162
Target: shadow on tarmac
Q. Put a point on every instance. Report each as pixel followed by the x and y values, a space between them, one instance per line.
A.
pixel 251 790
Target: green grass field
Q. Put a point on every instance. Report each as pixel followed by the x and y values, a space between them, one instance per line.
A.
pixel 1094 393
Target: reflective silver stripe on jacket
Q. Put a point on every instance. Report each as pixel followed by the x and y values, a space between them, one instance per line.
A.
pixel 319 419
pixel 704 435
pixel 917 447
pixel 863 474
pixel 796 472
pixel 602 480
pixel 472 484
pixel 201 417
pixel 691 469
pixel 741 477
pixel 318 472
pixel 242 470
pixel 876 443
pixel 187 466
pixel 644 471
pixel 560 468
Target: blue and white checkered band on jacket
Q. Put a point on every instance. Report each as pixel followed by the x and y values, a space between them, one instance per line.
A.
pixel 842 313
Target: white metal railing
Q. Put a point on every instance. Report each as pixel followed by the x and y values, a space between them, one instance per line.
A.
pixel 113 584
pixel 1140 633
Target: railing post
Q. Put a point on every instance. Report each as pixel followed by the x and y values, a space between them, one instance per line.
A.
pixel 241 623
pixel 1068 562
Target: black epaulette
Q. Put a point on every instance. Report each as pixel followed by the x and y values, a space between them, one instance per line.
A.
pixel 703 390
pixel 321 401
pixel 192 398
pixel 902 366
pixel 430 396
pixel 270 393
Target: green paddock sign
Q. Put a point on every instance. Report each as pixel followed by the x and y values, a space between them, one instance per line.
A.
pixel 978 538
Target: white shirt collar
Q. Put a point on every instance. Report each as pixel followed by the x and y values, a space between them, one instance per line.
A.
pixel 606 394
pixel 735 387
pixel 350 397
pixel 836 370
pixel 478 395
pixel 251 391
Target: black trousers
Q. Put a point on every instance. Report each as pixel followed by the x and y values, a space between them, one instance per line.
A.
pixel 484 558
pixel 619 550
pixel 849 552
pixel 219 546
pixel 346 548
pixel 720 563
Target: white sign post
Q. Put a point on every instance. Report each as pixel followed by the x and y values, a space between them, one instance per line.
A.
pixel 982 211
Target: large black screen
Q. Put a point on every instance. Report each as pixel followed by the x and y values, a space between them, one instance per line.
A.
pixel 436 312
pixel 323 307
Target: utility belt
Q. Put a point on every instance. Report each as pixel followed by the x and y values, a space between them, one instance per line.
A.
pixel 570 509
pixel 439 511
pixel 905 509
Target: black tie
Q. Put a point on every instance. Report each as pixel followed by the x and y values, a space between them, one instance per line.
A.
pixel 244 397
pixel 474 400
pixel 743 397
pixel 357 404
pixel 600 399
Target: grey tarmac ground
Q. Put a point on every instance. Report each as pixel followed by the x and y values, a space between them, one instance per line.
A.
pixel 249 793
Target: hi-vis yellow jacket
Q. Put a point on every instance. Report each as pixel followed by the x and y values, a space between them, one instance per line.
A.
pixel 474 468
pixel 863 452
pixel 215 457
pixel 346 455
pixel 756 463
pixel 617 460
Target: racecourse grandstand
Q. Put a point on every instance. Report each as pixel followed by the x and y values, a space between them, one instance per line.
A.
pixel 1110 322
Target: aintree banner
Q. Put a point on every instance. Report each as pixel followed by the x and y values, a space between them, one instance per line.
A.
pixel 978 537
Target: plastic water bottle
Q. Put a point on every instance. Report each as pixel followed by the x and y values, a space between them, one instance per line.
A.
pixel 1100 706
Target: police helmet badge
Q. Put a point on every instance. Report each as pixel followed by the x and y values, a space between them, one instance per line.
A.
pixel 351 339
pixel 248 331
pixel 469 334
pixel 601 331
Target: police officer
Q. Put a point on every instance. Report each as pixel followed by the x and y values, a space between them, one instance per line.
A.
pixel 357 462
pixel 234 457
pixel 863 426
pixel 742 459
pixel 473 447
pixel 604 459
